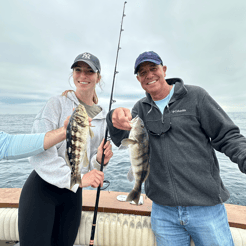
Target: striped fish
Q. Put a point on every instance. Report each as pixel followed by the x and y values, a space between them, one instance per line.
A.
pixel 78 130
pixel 138 143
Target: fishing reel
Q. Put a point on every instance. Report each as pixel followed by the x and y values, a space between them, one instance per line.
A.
pixel 106 186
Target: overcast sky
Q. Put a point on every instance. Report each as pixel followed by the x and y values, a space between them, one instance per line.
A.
pixel 202 42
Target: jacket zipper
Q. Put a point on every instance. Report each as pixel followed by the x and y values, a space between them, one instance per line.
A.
pixel 162 120
pixel 171 175
pixel 168 163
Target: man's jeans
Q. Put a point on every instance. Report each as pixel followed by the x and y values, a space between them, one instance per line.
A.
pixel 207 225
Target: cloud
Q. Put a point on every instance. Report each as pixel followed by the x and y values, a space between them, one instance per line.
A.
pixel 201 42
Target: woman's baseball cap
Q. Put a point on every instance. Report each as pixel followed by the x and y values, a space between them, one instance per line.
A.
pixel 89 59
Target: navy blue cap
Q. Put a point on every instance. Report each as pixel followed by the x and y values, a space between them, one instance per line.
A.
pixel 89 59
pixel 150 56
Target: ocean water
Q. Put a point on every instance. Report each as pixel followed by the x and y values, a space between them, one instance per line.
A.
pixel 15 172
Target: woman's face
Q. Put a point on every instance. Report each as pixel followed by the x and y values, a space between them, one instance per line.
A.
pixel 84 77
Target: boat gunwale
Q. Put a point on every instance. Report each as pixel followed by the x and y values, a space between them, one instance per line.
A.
pixel 108 203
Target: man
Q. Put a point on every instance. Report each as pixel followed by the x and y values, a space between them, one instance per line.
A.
pixel 185 125
pixel 25 145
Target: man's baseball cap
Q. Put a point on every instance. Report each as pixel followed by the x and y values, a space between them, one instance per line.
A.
pixel 89 59
pixel 150 56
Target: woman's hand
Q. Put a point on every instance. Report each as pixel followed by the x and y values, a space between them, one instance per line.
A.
pixel 93 178
pixel 65 126
pixel 54 137
pixel 107 152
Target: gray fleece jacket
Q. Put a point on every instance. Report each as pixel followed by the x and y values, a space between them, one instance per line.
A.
pixel 51 165
pixel 184 170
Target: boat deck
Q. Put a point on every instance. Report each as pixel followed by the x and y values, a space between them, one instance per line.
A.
pixel 108 203
pixel 112 219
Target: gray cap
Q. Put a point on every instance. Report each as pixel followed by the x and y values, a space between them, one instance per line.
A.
pixel 89 59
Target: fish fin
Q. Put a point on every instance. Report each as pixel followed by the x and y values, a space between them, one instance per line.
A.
pixel 122 147
pixel 91 133
pixel 134 196
pixel 85 160
pixel 75 180
pixel 130 175
pixel 125 142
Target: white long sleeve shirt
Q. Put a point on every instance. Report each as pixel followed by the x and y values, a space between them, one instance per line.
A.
pixel 51 165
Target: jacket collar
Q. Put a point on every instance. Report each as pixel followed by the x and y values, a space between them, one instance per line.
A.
pixel 179 91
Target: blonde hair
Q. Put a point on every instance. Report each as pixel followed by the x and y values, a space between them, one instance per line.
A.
pixel 95 98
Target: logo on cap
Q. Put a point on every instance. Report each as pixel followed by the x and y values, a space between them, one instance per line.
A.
pixel 90 59
pixel 86 56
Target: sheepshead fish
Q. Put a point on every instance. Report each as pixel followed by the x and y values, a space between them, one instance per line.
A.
pixel 138 143
pixel 78 130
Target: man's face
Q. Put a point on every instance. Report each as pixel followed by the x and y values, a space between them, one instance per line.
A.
pixel 152 77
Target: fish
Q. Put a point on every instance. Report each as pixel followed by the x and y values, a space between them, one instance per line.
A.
pixel 138 144
pixel 78 130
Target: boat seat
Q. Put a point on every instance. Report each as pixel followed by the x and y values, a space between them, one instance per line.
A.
pixel 111 229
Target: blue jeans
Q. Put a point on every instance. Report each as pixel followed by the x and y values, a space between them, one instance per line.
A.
pixel 207 225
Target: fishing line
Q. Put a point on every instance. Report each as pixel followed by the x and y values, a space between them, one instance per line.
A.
pixel 106 186
pixel 93 229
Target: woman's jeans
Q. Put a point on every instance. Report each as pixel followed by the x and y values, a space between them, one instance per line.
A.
pixel 206 225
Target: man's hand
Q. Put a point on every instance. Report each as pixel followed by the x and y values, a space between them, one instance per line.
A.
pixel 107 152
pixel 121 118
pixel 93 178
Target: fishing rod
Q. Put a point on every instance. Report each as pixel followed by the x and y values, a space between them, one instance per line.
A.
pixel 93 229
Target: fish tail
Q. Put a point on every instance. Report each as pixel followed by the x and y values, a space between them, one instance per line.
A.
pixel 75 180
pixel 134 195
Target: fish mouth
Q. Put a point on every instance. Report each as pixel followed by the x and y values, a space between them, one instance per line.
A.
pixel 134 120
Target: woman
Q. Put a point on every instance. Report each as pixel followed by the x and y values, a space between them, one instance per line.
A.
pixel 49 212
